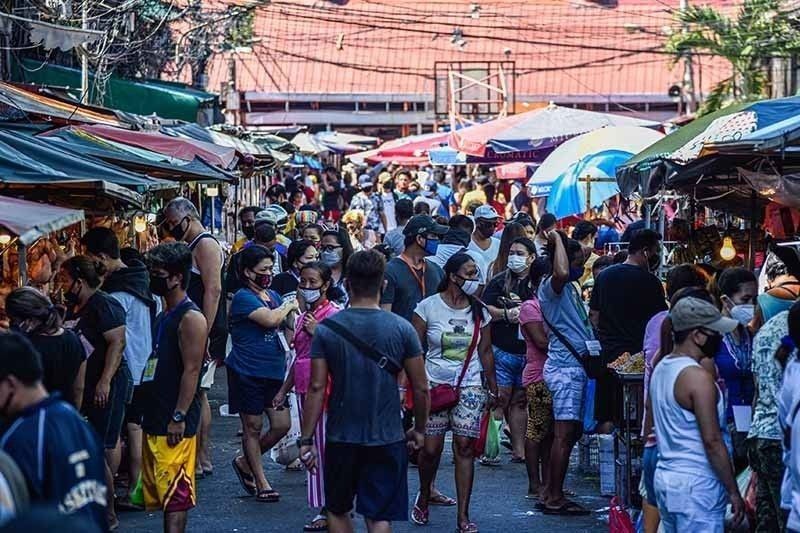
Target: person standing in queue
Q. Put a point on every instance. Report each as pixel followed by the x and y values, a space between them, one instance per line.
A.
pixel 366 454
pixel 170 381
pixel 454 325
pixel 256 368
pixel 205 289
pixel 247 218
pixel 55 449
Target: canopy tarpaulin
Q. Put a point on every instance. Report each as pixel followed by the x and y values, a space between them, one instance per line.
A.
pixel 412 150
pixel 540 129
pixel 261 152
pixel 15 101
pixel 30 221
pixel 182 148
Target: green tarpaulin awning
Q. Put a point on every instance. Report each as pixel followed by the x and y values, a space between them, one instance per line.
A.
pixel 144 97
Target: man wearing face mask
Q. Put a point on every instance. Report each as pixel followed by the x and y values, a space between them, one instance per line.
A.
pixel 247 219
pixel 205 290
pixel 621 319
pixel 170 382
pixel 410 277
pixel 56 450
pixel 483 242
pixel 694 479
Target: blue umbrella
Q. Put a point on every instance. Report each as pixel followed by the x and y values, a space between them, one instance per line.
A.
pixel 568 194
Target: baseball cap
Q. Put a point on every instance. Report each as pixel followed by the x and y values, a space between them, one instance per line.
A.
pixel 365 180
pixel 422 224
pixel 486 211
pixel 274 215
pixel 693 313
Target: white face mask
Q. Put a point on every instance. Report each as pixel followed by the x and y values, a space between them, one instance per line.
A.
pixel 517 263
pixel 310 295
pixel 470 286
pixel 743 313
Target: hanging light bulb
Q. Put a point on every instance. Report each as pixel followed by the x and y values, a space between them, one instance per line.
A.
pixel 727 252
pixel 5 238
pixel 139 223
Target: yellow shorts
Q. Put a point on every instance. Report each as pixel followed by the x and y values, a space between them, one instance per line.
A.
pixel 168 474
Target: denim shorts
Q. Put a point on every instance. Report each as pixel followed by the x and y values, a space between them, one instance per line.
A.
pixel 508 367
pixel 649 463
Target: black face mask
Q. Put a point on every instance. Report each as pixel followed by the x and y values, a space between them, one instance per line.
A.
pixel 178 231
pixel 249 231
pixel 486 230
pixel 71 298
pixel 653 260
pixel 711 347
pixel 159 287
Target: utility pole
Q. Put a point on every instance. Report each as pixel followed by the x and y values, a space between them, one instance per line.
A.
pixel 84 55
pixel 689 96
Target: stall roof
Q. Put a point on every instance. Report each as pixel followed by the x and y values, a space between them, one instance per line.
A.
pixel 93 195
pixel 261 152
pixel 30 221
pixel 17 100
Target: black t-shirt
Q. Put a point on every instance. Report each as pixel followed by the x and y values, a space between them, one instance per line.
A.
pixel 627 297
pixel 161 393
pixel 101 313
pixel 284 283
pixel 404 290
pixel 62 356
pixel 331 199
pixel 505 335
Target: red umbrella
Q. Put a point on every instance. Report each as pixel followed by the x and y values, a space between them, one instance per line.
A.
pixel 411 150
pixel 515 171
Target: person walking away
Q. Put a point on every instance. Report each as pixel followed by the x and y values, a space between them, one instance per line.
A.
pixel 301 253
pixel 454 325
pixel 205 290
pixel 335 251
pixel 765 435
pixel 100 320
pixel 503 297
pixel 737 289
pixel 56 450
pixel 570 342
pixel 694 479
pixel 539 428
pixel 256 368
pixel 332 189
pixel 410 277
pixel 366 455
pixel 129 284
pixel 370 203
pixel 404 210
pixel 681 281
pixel 247 219
pixel 63 357
pixel 444 193
pixel 170 382
pixel 482 241
pixel 389 199
pixel 430 198
pixel 315 283
pixel 621 320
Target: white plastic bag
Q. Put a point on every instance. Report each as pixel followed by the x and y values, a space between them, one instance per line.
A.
pixel 285 452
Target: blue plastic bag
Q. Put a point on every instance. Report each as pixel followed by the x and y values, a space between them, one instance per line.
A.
pixel 589 423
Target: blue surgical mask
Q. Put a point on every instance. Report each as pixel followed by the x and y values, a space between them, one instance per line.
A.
pixel 331 258
pixel 575 273
pixel 431 245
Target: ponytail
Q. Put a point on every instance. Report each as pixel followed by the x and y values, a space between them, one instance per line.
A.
pixel 32 312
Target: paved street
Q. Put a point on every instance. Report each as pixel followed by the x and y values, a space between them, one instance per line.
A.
pixel 498 503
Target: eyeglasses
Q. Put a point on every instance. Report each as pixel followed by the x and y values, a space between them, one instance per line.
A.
pixel 329 247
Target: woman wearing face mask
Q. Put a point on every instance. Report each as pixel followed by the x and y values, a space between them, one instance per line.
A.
pixel 737 289
pixel 455 327
pixel 511 232
pixel 300 253
pixel 335 250
pixel 256 367
pixel 315 283
pixel 503 296
pixel 100 322
pixel 63 355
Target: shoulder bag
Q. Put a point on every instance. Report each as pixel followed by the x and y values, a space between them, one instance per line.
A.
pixel 446 396
pixel 370 352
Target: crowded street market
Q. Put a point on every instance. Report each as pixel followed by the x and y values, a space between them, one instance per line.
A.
pixel 284 309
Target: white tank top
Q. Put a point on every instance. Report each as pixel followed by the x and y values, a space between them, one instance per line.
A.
pixel 680 446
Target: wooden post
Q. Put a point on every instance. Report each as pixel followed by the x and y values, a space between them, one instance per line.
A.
pixel 23 263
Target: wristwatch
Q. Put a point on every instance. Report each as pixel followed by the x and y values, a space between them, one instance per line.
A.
pixel 305 441
pixel 178 417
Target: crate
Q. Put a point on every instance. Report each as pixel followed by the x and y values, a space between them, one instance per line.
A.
pixel 589 455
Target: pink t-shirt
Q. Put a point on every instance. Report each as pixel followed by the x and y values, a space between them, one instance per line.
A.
pixel 532 373
pixel 302 347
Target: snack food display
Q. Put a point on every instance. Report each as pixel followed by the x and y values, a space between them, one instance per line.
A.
pixel 628 364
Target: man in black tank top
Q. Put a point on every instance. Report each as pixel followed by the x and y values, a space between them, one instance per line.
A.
pixel 170 381
pixel 182 221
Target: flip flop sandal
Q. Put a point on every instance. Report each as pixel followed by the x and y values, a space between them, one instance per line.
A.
pixel 441 500
pixel 485 461
pixel 268 496
pixel 418 516
pixel 517 460
pixel 469 527
pixel 312 528
pixel 540 506
pixel 245 479
pixel 567 509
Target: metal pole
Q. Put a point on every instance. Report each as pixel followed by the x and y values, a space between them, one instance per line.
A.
pixel 22 250
pixel 688 71
pixel 588 195
pixel 84 55
pixel 751 253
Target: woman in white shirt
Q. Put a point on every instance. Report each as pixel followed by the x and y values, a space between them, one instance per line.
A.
pixel 454 326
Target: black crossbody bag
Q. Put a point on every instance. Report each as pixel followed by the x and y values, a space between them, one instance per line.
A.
pixel 370 352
